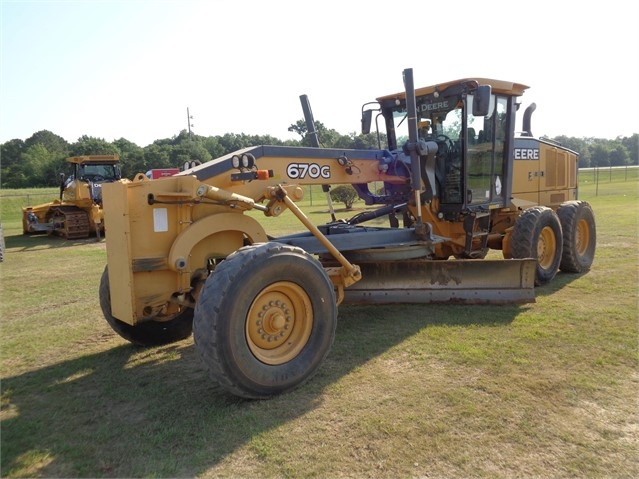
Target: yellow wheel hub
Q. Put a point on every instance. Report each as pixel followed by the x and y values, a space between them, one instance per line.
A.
pixel 546 247
pixel 582 237
pixel 279 323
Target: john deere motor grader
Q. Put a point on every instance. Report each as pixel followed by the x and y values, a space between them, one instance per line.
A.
pixel 183 256
pixel 78 212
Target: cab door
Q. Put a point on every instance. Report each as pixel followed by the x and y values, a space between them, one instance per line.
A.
pixel 486 143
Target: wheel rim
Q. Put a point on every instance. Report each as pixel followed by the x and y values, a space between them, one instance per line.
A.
pixel 546 247
pixel 582 237
pixel 279 323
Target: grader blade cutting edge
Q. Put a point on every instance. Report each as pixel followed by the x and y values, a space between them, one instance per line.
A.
pixel 428 281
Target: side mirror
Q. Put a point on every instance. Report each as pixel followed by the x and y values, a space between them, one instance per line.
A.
pixel 481 100
pixel 367 119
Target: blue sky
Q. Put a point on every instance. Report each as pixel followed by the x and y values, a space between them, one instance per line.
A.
pixel 130 69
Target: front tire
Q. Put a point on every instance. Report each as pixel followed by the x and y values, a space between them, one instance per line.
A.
pixel 265 320
pixel 537 234
pixel 149 333
pixel 580 236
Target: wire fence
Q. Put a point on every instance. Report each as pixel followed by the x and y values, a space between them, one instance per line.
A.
pixel 608 173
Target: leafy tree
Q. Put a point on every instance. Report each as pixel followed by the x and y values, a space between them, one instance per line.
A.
pixel 164 142
pixel 584 158
pixel 600 155
pixel 327 138
pixel 579 145
pixel 368 141
pixel 291 143
pixel 156 156
pixel 48 166
pixel 54 144
pixel 619 155
pixel 344 194
pixel 132 159
pixel 40 166
pixel 175 152
pixel 183 137
pixel 233 142
pixel 55 166
pixel 35 162
pixel 300 128
pixel 188 151
pixel 11 172
pixel 632 144
pixel 213 146
pixel 267 140
pixel 38 160
pixel 88 145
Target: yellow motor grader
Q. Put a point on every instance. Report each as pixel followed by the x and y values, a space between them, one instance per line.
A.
pixel 78 211
pixel 184 257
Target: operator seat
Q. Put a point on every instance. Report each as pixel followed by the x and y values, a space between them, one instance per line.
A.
pixel 471 136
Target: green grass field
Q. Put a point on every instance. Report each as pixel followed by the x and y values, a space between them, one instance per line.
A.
pixel 547 389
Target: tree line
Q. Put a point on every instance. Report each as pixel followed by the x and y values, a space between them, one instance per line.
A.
pixel 39 160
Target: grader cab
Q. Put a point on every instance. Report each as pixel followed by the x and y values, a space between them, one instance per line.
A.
pixel 184 257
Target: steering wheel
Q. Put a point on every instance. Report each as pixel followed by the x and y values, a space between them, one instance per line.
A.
pixel 93 178
pixel 450 144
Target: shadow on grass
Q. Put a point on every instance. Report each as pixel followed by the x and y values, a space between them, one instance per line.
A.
pixel 132 412
pixel 560 281
pixel 25 243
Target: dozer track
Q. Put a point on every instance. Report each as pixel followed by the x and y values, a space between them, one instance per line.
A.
pixel 70 222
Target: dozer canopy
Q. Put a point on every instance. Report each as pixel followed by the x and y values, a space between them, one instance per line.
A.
pixel 101 159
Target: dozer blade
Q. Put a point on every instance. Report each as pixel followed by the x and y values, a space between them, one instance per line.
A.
pixel 453 281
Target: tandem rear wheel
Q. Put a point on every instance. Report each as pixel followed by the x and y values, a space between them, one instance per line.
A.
pixel 537 234
pixel 265 320
pixel 579 236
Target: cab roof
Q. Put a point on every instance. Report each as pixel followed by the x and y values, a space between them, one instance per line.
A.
pixel 94 159
pixel 497 86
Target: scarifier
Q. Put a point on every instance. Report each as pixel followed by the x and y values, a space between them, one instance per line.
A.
pixel 184 257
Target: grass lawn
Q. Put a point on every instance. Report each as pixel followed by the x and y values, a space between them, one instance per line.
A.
pixel 547 389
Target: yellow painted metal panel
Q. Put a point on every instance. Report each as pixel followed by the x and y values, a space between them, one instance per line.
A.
pixel 118 242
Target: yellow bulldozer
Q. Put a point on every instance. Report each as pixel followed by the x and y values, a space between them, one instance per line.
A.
pixel 78 211
pixel 183 257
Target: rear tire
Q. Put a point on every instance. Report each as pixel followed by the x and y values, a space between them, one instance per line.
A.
pixel 265 320
pixel 149 333
pixel 537 234
pixel 579 235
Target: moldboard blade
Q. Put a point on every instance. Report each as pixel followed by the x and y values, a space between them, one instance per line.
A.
pixel 453 281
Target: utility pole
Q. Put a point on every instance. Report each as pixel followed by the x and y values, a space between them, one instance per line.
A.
pixel 189 117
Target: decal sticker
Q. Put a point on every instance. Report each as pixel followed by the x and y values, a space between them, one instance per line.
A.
pixel 526 154
pixel 435 106
pixel 302 170
pixel 160 220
